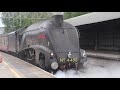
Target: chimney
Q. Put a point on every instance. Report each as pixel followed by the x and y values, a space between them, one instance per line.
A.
pixel 57 18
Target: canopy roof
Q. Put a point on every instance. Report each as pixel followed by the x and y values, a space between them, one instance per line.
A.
pixel 93 18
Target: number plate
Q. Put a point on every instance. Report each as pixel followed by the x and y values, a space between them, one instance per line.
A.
pixel 69 60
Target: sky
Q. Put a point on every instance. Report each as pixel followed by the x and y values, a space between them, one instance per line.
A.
pixel 1 24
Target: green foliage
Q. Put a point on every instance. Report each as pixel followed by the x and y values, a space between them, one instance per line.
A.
pixel 14 23
pixel 21 19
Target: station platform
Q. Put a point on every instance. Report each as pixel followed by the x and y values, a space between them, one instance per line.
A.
pixel 12 67
pixel 110 55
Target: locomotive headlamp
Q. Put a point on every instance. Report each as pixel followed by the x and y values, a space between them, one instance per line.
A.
pixel 54 65
pixel 51 54
pixel 83 54
pixel 69 55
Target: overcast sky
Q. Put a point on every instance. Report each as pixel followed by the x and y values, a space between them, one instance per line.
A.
pixel 1 25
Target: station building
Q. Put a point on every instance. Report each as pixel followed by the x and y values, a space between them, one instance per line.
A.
pixel 98 30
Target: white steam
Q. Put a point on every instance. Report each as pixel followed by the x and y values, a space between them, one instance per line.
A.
pixel 68 74
pixel 58 13
pixel 94 69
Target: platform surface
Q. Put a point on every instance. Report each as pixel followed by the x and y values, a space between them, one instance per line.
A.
pixel 13 67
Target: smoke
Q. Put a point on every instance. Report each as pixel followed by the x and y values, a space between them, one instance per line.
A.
pixel 67 74
pixel 58 13
pixel 88 72
pixel 94 69
pixel 71 73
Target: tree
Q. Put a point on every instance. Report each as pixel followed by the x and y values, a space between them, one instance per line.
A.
pixel 15 20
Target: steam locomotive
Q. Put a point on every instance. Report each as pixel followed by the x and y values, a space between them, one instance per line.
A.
pixel 50 44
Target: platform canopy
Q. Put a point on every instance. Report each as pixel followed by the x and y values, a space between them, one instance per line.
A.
pixel 93 17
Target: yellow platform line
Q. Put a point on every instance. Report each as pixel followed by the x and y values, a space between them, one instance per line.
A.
pixel 12 70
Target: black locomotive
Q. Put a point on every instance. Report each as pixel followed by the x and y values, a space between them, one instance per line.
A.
pixel 51 44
